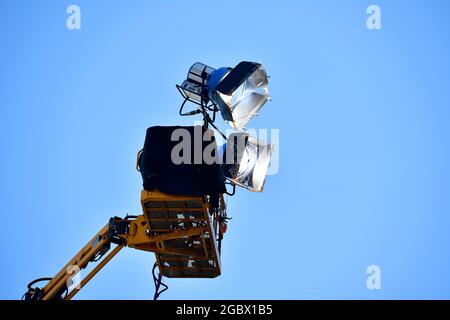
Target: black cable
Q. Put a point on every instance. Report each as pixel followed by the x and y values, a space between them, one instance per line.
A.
pixel 36 281
pixel 234 189
pixel 190 113
pixel 212 107
pixel 208 119
pixel 30 288
pixel 34 293
pixel 158 282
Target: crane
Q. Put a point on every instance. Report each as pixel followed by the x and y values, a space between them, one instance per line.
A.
pixel 184 215
pixel 184 232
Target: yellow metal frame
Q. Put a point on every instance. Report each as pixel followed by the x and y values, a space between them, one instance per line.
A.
pixel 193 215
pixel 141 235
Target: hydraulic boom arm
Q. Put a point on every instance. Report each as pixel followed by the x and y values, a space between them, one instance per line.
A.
pixel 186 248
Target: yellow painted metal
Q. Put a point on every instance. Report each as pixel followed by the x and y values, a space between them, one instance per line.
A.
pixel 94 272
pixel 190 256
pixel 80 260
pixel 185 247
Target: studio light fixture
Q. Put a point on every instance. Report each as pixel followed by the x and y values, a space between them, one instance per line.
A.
pixel 184 216
pixel 238 93
pixel 246 161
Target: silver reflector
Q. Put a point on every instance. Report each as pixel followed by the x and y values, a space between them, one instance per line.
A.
pixel 246 161
pixel 243 103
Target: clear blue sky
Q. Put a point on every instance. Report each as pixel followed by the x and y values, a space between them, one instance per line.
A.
pixel 364 119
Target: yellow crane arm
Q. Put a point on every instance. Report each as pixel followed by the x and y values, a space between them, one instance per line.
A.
pixel 181 231
pixel 93 251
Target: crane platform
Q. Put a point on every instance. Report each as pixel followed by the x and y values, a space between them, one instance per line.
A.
pixel 195 255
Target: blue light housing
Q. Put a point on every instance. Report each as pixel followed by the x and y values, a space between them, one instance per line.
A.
pixel 239 92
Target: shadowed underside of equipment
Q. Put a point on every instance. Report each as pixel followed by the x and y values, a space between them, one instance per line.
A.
pixel 194 256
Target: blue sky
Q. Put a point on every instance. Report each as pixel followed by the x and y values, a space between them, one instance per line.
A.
pixel 364 124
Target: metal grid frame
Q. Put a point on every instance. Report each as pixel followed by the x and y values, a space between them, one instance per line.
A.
pixel 165 214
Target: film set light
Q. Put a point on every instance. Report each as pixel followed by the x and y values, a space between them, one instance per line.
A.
pixel 246 161
pixel 184 216
pixel 238 93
